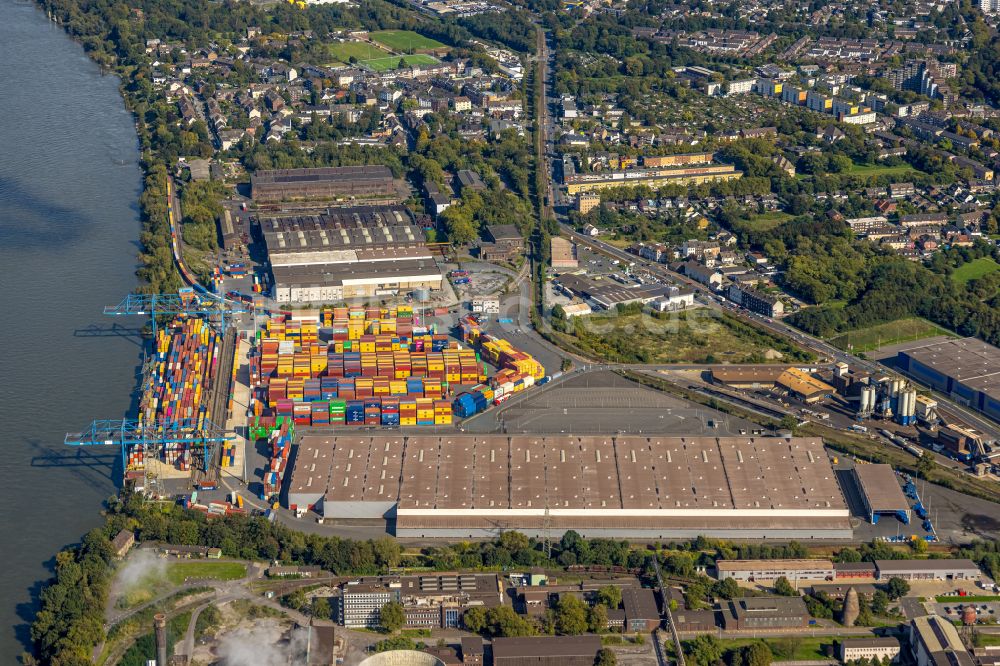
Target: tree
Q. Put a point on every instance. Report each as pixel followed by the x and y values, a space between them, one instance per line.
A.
pixel 925 464
pixel 571 616
pixel 704 650
pixel 727 589
pixel 784 588
pixel 606 657
pixel 897 588
pixel 321 608
pixel 392 617
pixel 597 619
pixel 610 596
pixel 757 654
pixel 387 551
pixel 880 603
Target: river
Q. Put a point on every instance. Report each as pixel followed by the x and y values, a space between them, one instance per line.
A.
pixel 69 187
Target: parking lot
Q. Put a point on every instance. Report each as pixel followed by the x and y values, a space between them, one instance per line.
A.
pixel 988 611
pixel 602 402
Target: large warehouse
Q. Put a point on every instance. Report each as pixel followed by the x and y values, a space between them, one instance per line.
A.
pixel 968 370
pixel 467 486
pixel 348 182
pixel 881 493
pixel 342 253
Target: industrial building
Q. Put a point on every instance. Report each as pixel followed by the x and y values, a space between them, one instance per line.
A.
pixel 928 569
pixel 641 611
pixel 468 486
pixel 654 177
pixel 852 649
pixel 934 641
pixel 546 651
pixel 429 601
pixel 881 493
pixel 755 613
pixel 769 570
pixel 796 381
pixel 563 253
pixel 611 295
pixel 347 182
pixel 341 253
pixel 967 370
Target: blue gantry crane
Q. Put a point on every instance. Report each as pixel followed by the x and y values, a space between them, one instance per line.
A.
pixel 186 301
pixel 130 433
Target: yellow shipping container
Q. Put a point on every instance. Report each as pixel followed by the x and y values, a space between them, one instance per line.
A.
pixel 443 420
pixel 408 420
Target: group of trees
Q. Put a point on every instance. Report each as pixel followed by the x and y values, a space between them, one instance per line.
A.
pixel 707 650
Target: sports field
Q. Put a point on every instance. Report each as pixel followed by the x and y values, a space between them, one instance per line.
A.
pixel 405 41
pixel 974 270
pixel 344 51
pixel 392 62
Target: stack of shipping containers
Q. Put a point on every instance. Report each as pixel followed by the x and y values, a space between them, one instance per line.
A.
pixel 185 366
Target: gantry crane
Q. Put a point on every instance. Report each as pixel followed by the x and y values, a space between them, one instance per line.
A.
pixel 151 437
pixel 186 301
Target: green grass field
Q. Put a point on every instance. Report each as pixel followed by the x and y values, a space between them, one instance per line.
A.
pixel 181 571
pixel 881 170
pixel 768 220
pixel 953 599
pixel 405 41
pixel 392 62
pixel 974 270
pixel 806 648
pixel 344 51
pixel 891 333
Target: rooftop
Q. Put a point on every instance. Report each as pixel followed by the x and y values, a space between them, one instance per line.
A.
pixel 281 176
pixel 964 360
pixel 879 485
pixel 546 646
pixel 790 565
pixel 480 474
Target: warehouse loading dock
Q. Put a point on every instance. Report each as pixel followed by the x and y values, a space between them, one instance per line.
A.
pixel 466 486
pixel 881 493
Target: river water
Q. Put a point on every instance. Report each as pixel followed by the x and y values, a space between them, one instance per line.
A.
pixel 69 185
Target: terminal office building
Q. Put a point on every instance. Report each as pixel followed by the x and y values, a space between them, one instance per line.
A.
pixel 342 253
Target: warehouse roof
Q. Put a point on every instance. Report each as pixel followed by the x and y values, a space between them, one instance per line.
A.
pixel 279 176
pixel 741 375
pixel 963 360
pixel 788 565
pixel 926 565
pixel 639 603
pixel 880 488
pixel 878 642
pixel 566 474
pixel 802 383
pixel 546 646
pixel 348 273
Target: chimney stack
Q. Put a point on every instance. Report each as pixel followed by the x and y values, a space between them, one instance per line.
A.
pixel 160 631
